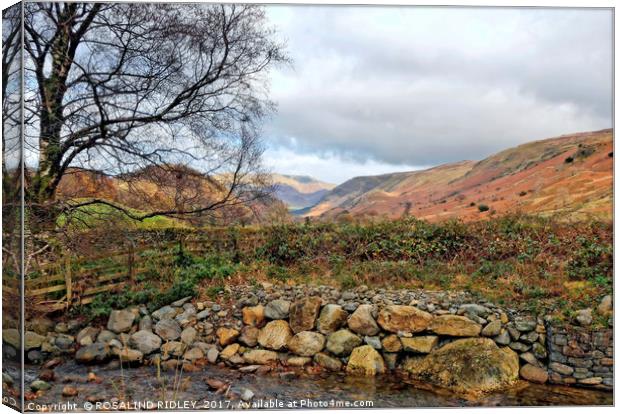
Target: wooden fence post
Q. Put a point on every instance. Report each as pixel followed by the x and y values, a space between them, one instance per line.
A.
pixel 68 281
pixel 130 260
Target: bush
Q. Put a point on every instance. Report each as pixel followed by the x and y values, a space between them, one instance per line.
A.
pixel 482 208
pixel 568 160
pixel 593 261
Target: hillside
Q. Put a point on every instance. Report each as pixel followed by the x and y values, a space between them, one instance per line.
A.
pixel 298 191
pixel 170 187
pixel 571 175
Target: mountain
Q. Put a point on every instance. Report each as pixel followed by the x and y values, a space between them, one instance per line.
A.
pixel 169 188
pixel 299 191
pixel 571 175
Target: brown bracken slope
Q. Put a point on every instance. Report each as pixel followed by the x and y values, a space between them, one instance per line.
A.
pixel 570 176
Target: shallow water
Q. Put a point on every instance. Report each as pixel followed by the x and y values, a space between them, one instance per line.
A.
pixel 142 389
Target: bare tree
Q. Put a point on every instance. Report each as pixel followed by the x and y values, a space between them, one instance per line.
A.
pixel 123 88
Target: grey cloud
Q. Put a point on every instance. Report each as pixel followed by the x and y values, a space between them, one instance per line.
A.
pixel 425 86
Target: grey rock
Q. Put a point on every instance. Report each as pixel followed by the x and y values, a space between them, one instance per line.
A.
pixel 32 340
pixel 188 336
pixel 492 329
pixel 7 379
pixel 40 385
pixel 180 302
pixel 87 335
pixel 539 351
pixel 35 356
pixel 145 341
pixel 203 314
pixel 584 317
pixel 193 354
pixel 96 352
pixel 120 321
pixel 212 355
pixel 247 394
pixel 105 336
pixel 168 329
pixel 327 362
pixel 475 309
pixel 606 307
pixel 525 325
pixel 146 324
pixel 373 341
pixel 342 342
pixel 561 368
pixel 64 342
pixel 167 312
pixel 529 337
pixel 519 346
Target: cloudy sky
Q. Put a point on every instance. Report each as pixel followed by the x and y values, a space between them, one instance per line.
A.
pixel 381 89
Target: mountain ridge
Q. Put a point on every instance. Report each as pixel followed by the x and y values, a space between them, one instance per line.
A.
pixel 532 177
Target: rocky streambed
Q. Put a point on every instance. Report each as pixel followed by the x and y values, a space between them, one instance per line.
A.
pixel 413 348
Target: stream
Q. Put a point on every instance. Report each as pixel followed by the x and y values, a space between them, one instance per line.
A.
pixel 144 390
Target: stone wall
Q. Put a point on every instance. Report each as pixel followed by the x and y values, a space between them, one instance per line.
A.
pixel 361 331
pixel 580 356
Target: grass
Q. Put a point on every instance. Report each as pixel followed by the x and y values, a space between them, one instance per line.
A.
pixel 91 216
pixel 538 264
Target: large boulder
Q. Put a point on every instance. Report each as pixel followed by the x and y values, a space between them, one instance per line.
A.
pixel 342 342
pixel 453 325
pixel 365 360
pixel 277 309
pixel 469 365
pixel 306 343
pixel 331 318
pixel 226 336
pixel 168 329
pixel 275 335
pixel 362 322
pixel 303 314
pixel 120 321
pixel 96 352
pixel 260 356
pixel 406 319
pixel 145 342
pixel 253 315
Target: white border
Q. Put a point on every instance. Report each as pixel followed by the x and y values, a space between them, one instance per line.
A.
pixel 470 3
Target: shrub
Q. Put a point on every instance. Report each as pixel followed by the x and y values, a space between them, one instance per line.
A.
pixel 568 160
pixel 483 207
pixel 593 260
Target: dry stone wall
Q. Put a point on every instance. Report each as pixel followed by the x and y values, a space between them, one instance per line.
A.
pixel 361 332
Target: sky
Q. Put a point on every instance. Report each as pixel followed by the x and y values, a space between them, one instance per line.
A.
pixel 374 89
